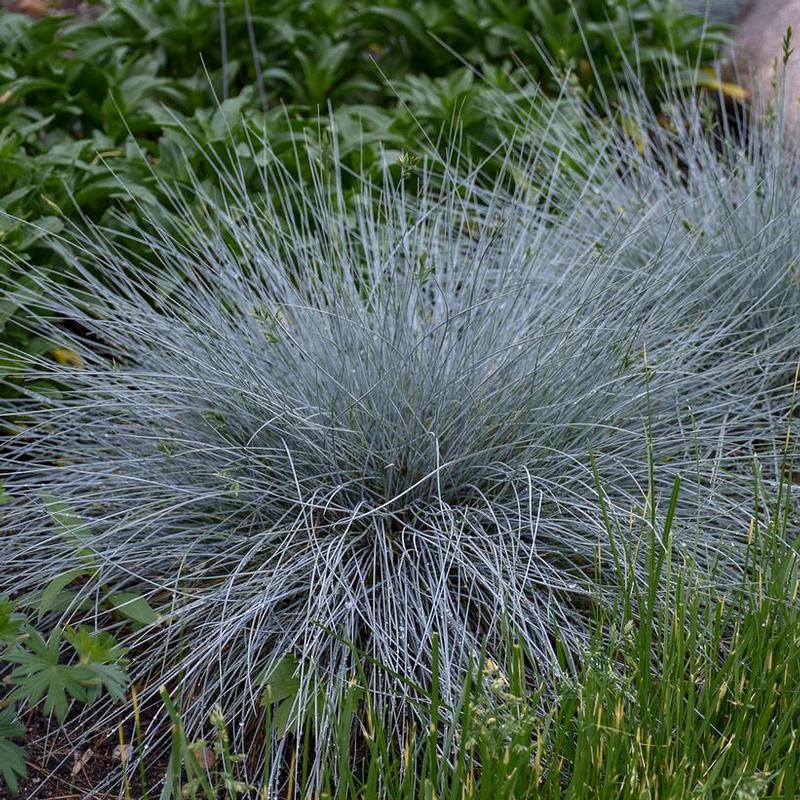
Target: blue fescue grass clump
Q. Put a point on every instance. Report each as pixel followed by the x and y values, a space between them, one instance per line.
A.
pixel 304 429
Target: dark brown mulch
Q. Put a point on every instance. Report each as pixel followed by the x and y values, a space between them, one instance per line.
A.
pixel 58 770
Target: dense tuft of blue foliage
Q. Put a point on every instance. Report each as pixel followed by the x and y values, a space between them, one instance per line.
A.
pixel 301 428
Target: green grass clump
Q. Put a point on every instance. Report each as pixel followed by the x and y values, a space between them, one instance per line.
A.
pixel 692 695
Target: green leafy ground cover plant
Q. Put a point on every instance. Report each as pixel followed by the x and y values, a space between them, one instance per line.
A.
pixel 81 101
pixel 42 671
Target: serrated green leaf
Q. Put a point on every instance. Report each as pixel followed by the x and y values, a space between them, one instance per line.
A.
pixel 100 653
pixel 10 621
pixel 12 755
pixel 94 646
pixel 112 679
pixel 40 675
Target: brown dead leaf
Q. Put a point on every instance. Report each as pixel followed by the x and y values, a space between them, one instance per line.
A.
pixel 81 761
pixel 206 757
pixel 122 752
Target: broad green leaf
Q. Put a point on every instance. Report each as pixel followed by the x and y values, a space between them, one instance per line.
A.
pixel 53 594
pixel 42 228
pixel 72 526
pixel 281 687
pixel 134 607
pixel 281 681
pixel 61 513
pixel 284 718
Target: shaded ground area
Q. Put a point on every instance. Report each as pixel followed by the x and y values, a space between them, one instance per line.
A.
pixel 59 770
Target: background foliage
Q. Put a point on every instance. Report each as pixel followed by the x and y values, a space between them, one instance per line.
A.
pixel 93 112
